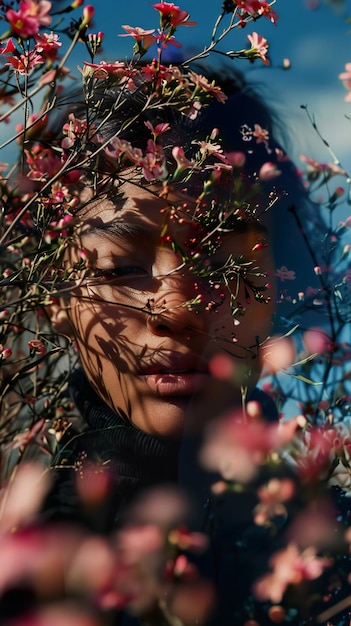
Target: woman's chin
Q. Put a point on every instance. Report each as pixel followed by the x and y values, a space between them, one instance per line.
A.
pixel 163 417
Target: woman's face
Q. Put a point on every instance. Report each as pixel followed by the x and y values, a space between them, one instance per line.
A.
pixel 147 325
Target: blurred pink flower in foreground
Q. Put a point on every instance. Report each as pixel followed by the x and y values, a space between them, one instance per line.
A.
pixel 290 566
pixel 277 354
pixel 272 496
pixel 57 615
pixel 21 498
pixel 236 449
pixel 30 16
pixel 345 77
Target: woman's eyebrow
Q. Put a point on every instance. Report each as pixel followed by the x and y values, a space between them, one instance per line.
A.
pixel 124 230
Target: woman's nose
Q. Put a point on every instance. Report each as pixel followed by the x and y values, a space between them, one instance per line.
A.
pixel 180 307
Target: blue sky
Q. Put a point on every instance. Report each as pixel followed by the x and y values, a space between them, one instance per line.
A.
pixel 317 42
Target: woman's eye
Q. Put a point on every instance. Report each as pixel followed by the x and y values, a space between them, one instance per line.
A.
pixel 119 272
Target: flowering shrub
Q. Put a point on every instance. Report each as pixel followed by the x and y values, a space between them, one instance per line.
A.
pixel 149 567
pixel 42 190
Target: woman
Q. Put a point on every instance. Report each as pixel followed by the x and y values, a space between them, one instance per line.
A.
pixel 162 214
pixel 172 264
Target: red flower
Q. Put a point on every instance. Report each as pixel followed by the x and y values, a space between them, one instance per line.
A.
pixel 104 69
pixel 267 11
pixel 48 44
pixel 8 48
pixel 30 16
pixel 257 8
pixel 25 63
pixel 249 6
pixel 171 15
pixel 42 162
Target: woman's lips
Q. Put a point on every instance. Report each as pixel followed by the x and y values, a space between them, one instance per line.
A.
pixel 176 383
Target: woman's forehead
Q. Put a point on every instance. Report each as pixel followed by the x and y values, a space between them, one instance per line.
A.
pixel 146 206
pixel 148 210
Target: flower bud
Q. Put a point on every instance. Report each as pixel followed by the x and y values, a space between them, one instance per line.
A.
pixel 269 171
pixel 6 353
pixel 88 14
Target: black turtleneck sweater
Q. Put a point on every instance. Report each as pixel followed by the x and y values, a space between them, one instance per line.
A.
pixel 136 460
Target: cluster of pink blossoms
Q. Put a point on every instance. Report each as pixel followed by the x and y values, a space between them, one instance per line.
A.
pixel 257 8
pixel 30 16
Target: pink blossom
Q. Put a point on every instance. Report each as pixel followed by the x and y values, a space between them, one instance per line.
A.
pixel 261 134
pixel 207 148
pixel 48 44
pixel 268 171
pixel 272 497
pixel 346 223
pixel 236 159
pixel 266 10
pixel 42 163
pixel 329 169
pixel 180 158
pixel 290 566
pixel 317 341
pixel 257 8
pixel 202 83
pixel 47 555
pixel 278 354
pixel 311 450
pixel 58 228
pixel 284 274
pixel 313 164
pixel 259 48
pixel 140 560
pixel 153 163
pixel 237 448
pixel 249 6
pixel 36 346
pixel 164 40
pixel 95 40
pixel 93 484
pixel 21 499
pixel 30 16
pixel 25 63
pixel 172 15
pixel 194 110
pixel 104 69
pixel 159 129
pixel 120 147
pixel 145 37
pixel 314 525
pixel 75 128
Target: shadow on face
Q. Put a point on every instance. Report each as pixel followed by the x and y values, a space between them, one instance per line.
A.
pixel 163 295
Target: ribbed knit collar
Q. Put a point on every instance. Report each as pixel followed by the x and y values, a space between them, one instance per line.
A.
pixel 137 458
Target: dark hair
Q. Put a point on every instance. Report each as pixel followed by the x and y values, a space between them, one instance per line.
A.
pixel 295 225
pixel 293 220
